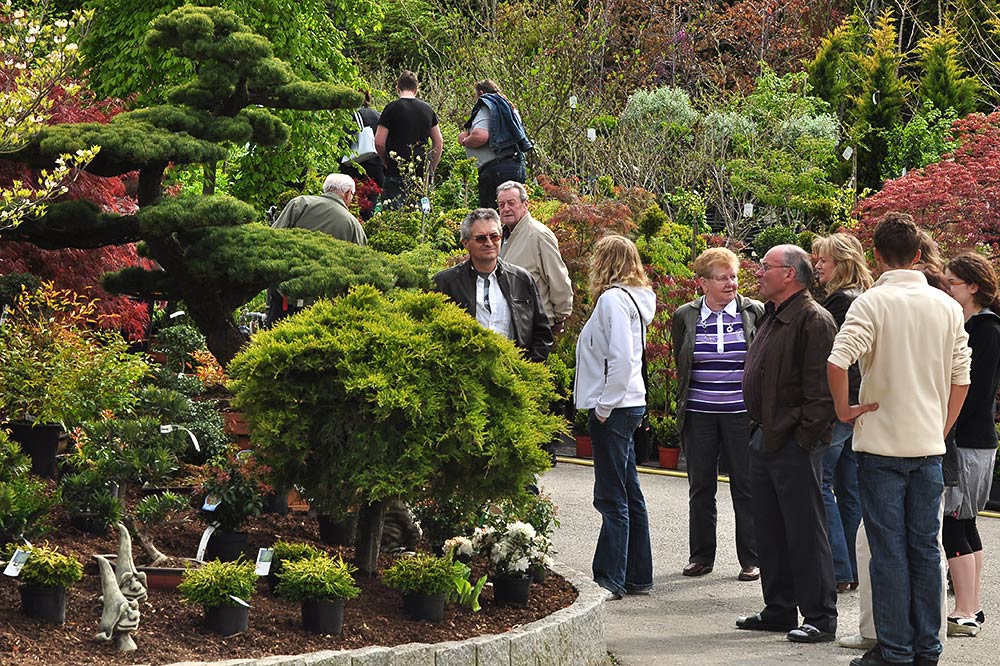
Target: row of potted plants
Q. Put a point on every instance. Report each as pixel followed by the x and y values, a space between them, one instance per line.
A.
pixel 664 436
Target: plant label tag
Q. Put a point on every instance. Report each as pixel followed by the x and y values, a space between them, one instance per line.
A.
pixel 591 134
pixel 848 152
pixel 17 561
pixel 194 440
pixel 239 601
pixel 299 303
pixel 211 503
pixel 264 557
pixel 203 544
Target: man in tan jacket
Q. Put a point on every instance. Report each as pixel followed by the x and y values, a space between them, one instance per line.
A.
pixel 534 247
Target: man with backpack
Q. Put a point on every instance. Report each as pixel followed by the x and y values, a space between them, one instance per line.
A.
pixel 495 136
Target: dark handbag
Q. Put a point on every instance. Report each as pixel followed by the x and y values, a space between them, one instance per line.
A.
pixel 642 438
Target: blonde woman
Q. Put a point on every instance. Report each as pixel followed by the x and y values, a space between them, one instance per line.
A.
pixel 609 384
pixel 843 271
pixel 710 338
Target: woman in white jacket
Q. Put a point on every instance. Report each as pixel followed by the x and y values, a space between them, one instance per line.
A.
pixel 609 384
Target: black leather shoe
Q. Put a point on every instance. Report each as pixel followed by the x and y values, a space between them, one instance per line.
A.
pixel 924 661
pixel 874 658
pixel 697 569
pixel 757 623
pixel 810 634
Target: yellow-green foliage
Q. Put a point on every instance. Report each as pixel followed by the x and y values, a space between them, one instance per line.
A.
pixel 670 249
pixel 215 581
pixel 317 579
pixel 375 396
pixel 47 566
pixel 542 210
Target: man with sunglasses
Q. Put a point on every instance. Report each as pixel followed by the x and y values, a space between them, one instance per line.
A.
pixel 502 297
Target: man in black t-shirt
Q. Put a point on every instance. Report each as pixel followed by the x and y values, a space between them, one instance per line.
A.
pixel 401 140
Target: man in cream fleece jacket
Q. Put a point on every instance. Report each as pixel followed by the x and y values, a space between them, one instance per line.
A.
pixel 910 341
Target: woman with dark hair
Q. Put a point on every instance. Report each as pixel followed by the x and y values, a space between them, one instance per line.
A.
pixel 609 383
pixel 843 271
pixel 974 285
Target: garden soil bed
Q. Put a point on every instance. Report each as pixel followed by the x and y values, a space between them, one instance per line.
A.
pixel 170 630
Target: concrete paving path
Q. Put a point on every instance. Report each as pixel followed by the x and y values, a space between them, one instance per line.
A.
pixel 691 621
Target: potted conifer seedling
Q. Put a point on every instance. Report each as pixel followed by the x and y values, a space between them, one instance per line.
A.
pixel 223 589
pixel 288 551
pixel 45 576
pixel 321 584
pixel 668 439
pixel 425 582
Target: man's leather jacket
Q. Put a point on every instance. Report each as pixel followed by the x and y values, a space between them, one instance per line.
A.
pixel 531 324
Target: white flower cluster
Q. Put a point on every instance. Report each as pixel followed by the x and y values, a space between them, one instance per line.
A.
pixel 459 546
pixel 515 550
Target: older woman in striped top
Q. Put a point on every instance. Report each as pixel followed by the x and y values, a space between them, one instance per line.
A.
pixel 710 337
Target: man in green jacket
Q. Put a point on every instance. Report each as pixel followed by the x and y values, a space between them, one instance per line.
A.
pixel 327 213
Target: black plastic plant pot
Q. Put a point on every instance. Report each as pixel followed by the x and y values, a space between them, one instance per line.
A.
pixel 226 546
pixel 44 602
pixel 323 617
pixel 90 523
pixel 429 607
pixel 511 590
pixel 337 532
pixel 40 443
pixel 228 619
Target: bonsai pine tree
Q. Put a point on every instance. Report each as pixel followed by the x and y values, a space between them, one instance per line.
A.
pixel 374 397
pixel 210 252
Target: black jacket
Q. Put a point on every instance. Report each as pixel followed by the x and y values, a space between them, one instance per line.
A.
pixel 531 324
pixel 976 427
pixel 837 304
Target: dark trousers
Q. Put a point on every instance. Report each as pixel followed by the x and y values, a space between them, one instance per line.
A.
pixel 496 172
pixel 705 438
pixel 796 565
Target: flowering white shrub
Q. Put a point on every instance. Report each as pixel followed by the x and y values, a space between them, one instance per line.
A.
pixel 513 551
pixel 458 547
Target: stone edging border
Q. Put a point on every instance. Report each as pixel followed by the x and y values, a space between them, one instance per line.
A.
pixel 572 636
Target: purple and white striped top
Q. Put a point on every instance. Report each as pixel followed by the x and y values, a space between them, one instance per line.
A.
pixel 720 349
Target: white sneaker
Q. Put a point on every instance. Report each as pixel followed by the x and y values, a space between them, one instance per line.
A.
pixel 963 626
pixel 856 642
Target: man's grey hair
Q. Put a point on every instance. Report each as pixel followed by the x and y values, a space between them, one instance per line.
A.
pixel 465 231
pixel 513 185
pixel 338 182
pixel 797 258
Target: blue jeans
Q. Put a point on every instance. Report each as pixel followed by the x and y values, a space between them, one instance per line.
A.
pixel 623 560
pixel 843 503
pixel 900 500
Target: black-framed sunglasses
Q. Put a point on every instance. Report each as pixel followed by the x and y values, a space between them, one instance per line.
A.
pixel 482 238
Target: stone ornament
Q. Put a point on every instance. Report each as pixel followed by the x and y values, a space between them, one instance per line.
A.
pixel 131 582
pixel 120 616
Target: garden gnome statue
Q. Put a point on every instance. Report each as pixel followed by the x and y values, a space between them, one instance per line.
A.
pixel 132 583
pixel 120 616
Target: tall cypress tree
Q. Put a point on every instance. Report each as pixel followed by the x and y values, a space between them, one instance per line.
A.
pixel 878 102
pixel 943 80
pixel 211 253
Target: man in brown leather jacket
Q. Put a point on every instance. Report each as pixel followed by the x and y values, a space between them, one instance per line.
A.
pixel 789 401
